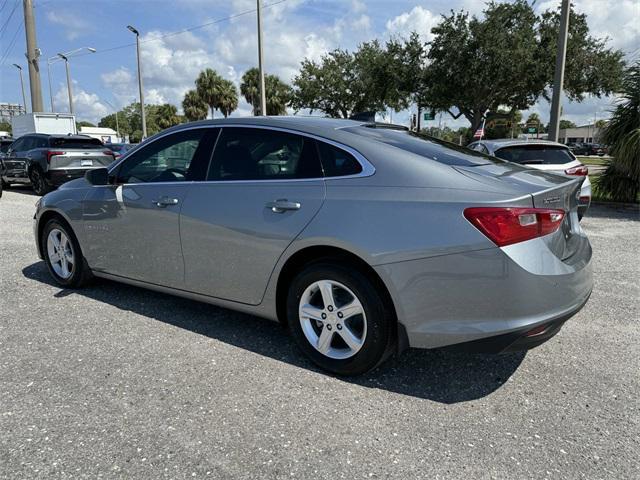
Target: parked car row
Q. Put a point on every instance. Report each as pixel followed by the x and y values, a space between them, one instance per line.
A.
pixel 47 161
pixel 362 238
pixel 588 149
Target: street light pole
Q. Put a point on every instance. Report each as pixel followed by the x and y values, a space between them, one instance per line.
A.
pixel 558 80
pixel 142 114
pixel 116 113
pixel 263 98
pixel 64 56
pixel 32 56
pixel 24 97
pixel 49 78
pixel 66 64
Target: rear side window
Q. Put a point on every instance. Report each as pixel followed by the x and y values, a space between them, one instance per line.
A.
pixel 536 154
pixel 336 162
pixel 262 154
pixel 425 146
pixel 74 142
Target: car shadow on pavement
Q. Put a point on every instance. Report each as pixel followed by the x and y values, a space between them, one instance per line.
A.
pixel 24 189
pixel 436 375
pixel 611 210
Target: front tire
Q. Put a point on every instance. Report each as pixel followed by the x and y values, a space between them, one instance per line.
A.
pixel 339 319
pixel 38 182
pixel 62 254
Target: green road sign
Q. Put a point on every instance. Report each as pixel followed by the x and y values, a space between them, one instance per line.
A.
pixel 532 130
pixel 429 115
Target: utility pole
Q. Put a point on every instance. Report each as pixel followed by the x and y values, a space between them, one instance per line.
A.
pixel 558 80
pixel 32 57
pixel 263 98
pixel 142 114
pixel 24 98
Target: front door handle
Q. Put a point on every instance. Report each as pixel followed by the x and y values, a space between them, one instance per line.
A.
pixel 165 202
pixel 282 205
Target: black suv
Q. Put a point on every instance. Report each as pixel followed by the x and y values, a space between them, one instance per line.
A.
pixel 47 161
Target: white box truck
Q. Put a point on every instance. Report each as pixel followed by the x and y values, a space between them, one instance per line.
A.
pixel 41 122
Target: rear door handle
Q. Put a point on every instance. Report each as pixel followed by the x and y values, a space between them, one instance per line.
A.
pixel 282 205
pixel 165 202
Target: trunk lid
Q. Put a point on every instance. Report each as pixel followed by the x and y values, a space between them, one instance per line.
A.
pixel 547 190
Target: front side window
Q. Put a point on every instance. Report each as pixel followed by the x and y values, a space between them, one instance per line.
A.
pixel 263 154
pixel 169 159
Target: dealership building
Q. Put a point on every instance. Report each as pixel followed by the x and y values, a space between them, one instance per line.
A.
pixel 583 134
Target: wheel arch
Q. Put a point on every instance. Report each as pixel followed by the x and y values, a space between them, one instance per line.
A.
pixel 317 253
pixel 43 219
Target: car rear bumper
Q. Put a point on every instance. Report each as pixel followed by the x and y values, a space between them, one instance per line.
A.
pixel 500 293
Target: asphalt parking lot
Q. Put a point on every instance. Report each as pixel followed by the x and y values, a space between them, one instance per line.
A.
pixel 118 382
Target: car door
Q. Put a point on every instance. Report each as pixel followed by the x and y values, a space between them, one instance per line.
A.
pixel 132 226
pixel 264 186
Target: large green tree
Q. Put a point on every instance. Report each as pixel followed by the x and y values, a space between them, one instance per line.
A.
pixel 507 59
pixel 278 93
pixel 208 86
pixel 167 116
pixel 194 107
pixel 343 83
pixel 621 179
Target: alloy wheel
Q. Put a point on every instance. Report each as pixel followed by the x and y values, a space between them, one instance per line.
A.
pixel 332 319
pixel 60 253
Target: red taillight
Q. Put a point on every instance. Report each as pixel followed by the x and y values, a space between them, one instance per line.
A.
pixel 584 200
pixel 580 171
pixel 509 225
pixel 52 153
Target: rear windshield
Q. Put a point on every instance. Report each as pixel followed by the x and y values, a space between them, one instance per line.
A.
pixel 532 154
pixel 424 145
pixel 72 142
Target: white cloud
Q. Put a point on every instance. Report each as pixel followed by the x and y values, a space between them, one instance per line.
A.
pixel 73 24
pixel 87 106
pixel 419 19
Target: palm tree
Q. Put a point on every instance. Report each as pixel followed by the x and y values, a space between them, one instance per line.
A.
pixel 621 179
pixel 228 98
pixel 194 107
pixel 208 87
pixel 278 93
pixel 167 116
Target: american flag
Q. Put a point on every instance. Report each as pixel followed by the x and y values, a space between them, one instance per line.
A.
pixel 479 132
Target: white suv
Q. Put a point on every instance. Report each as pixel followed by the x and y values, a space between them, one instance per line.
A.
pixel 542 155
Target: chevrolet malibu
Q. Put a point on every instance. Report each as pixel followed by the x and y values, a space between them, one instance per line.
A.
pixel 362 238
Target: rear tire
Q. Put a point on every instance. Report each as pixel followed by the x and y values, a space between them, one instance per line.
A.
pixel 38 182
pixel 63 256
pixel 350 337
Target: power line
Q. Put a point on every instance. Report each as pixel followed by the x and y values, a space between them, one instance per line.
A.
pixel 7 52
pixel 185 30
pixel 6 23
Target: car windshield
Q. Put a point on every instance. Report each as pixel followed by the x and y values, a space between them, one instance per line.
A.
pixel 425 145
pixel 75 142
pixel 540 154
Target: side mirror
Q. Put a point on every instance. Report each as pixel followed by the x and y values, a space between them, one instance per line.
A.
pixel 97 176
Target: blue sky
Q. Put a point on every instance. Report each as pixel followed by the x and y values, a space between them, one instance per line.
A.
pixel 293 30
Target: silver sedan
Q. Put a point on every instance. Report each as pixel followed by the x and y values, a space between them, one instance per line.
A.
pixel 363 238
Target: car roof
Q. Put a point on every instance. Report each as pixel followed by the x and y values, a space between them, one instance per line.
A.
pixel 322 126
pixel 514 142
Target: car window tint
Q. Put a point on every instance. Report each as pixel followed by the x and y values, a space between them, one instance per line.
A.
pixel 263 154
pixel 532 154
pixel 424 145
pixel 71 142
pixel 41 142
pixel 336 162
pixel 17 145
pixel 167 159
